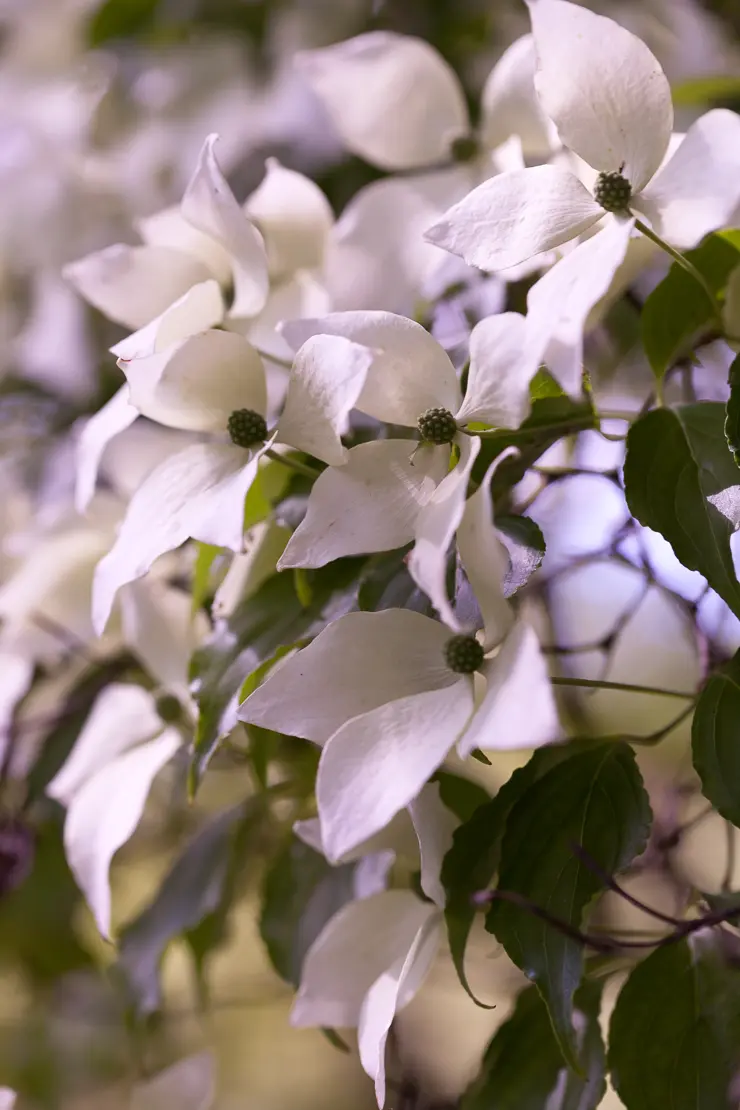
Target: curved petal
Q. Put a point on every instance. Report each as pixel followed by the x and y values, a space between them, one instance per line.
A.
pixel 169 228
pixel 388 994
pixel 133 285
pixel 210 206
pixel 369 504
pixel 334 981
pixel 501 368
pixel 518 710
pixel 114 417
pixel 196 385
pixel 162 631
pixel 197 493
pixel 375 764
pixel 189 1084
pixel 435 528
pixel 294 216
pixel 411 372
pixel 509 104
pixel 485 560
pixel 202 307
pixel 103 815
pixel 434 825
pixel 327 378
pixel 122 716
pixel 392 98
pixel 516 216
pixel 698 190
pixel 359 662
pixel 558 305
pixel 602 88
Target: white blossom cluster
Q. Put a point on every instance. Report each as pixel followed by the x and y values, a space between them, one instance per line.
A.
pixel 263 332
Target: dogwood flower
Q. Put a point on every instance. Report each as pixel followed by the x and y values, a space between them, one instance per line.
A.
pixel 387 695
pixel 611 104
pixel 391 491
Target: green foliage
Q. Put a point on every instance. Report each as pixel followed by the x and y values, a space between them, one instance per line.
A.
pixel 522 1067
pixel 678 313
pixel 732 412
pixel 674 1035
pixel 715 740
pixel 706 91
pixel 596 801
pixel 119 19
pixel 676 459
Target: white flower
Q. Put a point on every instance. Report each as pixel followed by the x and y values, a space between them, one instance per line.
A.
pixel 379 693
pixel 189 1084
pixel 611 104
pixel 391 491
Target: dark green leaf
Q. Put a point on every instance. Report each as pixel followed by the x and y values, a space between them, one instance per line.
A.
pixel 678 311
pixel 732 412
pixel 522 1067
pixel 117 19
pixel 525 544
pixel 706 90
pixel 301 892
pixel 460 795
pixel 206 556
pixel 191 902
pixel 258 628
pixel 715 740
pixel 595 800
pixel 387 584
pixel 675 1032
pixel 676 459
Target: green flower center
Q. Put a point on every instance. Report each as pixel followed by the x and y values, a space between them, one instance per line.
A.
pixel 437 426
pixel 247 428
pixel 464 148
pixel 169 708
pixel 613 192
pixel 463 654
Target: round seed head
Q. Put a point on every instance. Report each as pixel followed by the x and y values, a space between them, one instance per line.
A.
pixel 612 191
pixel 169 709
pixel 464 148
pixel 437 426
pixel 247 428
pixel 463 654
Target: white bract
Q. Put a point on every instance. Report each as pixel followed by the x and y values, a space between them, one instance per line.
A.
pixel 377 692
pixel 611 104
pixel 389 492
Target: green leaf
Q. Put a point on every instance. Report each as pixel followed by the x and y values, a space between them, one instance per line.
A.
pixel 387 584
pixel 525 544
pixel 699 91
pixel 192 901
pixel 301 892
pixel 267 620
pixel 118 19
pixel 204 560
pixel 676 459
pixel 461 796
pixel 678 311
pixel 675 1030
pixel 715 740
pixel 522 1067
pixel 595 800
pixel 732 411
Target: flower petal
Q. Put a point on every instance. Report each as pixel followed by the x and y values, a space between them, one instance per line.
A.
pixel 169 228
pixel 435 528
pixel 509 104
pixel 558 305
pixel 359 943
pixel 114 417
pixel 411 372
pixel 359 662
pixel 516 216
pixel 388 994
pixel 211 207
pixel 434 825
pixel 16 676
pixel 369 504
pixel 518 710
pixel 294 216
pixel 485 560
pixel 602 88
pixel 196 385
pixel 133 285
pixel 392 98
pixel 162 631
pixel 377 763
pixel 197 493
pixel 699 189
pixel 202 307
pixel 123 716
pixel 104 813
pixel 327 378
pixel 501 368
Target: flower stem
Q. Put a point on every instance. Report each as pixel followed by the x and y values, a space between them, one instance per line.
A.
pixel 683 261
pixel 628 687
pixel 293 463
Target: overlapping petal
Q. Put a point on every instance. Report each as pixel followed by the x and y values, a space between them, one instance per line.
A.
pixel 108 422
pixel 502 365
pixel 202 307
pixel 485 560
pixel 509 103
pixel 294 217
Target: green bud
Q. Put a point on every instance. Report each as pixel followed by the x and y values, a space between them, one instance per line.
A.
pixel 169 709
pixel 437 426
pixel 463 654
pixel 464 148
pixel 613 192
pixel 247 428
